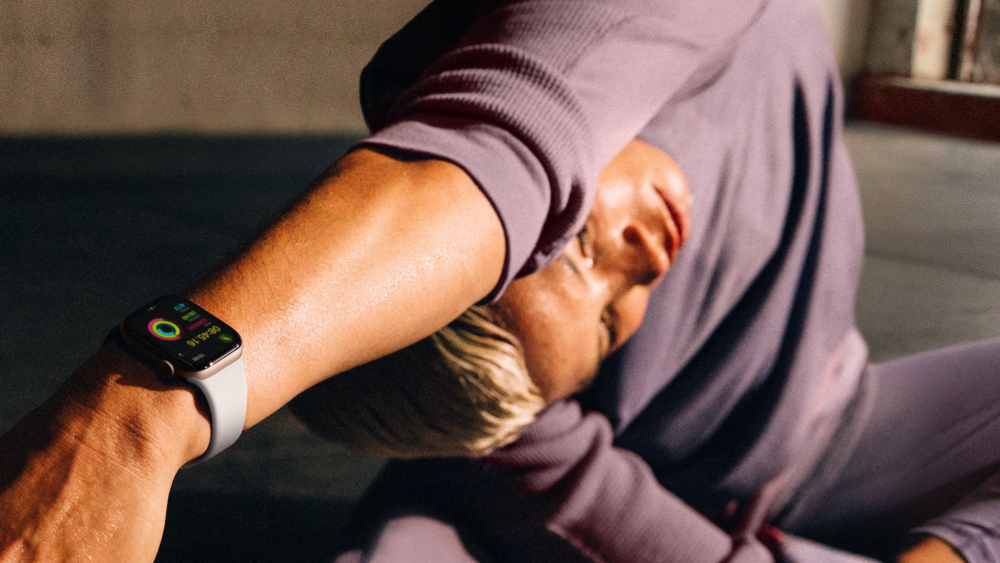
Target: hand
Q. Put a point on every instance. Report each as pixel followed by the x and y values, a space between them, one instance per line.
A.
pixel 931 550
pixel 85 477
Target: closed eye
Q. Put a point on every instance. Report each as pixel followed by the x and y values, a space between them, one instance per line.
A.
pixel 583 239
pixel 609 319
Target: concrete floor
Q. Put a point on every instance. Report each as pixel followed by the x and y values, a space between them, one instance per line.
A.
pixel 89 229
pixel 932 225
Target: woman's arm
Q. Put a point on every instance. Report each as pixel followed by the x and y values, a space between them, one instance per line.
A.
pixel 379 254
pixel 376 255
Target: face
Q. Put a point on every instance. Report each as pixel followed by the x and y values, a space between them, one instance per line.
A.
pixel 573 313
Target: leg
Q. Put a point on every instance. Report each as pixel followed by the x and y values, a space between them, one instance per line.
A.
pixel 451 510
pixel 932 437
pixel 412 539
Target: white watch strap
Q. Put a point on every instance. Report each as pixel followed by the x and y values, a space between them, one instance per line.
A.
pixel 226 393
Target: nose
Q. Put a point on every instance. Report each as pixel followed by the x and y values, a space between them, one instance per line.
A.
pixel 644 257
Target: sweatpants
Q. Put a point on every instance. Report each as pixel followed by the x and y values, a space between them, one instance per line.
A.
pixel 925 460
pixel 922 458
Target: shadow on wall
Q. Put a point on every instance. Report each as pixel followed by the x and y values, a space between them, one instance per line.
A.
pixel 116 66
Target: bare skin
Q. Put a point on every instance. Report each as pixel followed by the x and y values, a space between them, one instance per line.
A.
pixel 931 550
pixel 574 312
pixel 85 477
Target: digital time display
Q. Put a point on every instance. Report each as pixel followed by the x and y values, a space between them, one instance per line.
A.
pixel 184 331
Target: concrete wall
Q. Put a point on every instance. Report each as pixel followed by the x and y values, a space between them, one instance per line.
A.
pixel 987 53
pixel 222 66
pixel 893 28
pixel 847 22
pixel 102 66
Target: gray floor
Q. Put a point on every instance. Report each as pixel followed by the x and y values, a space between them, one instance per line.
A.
pixel 932 222
pixel 89 230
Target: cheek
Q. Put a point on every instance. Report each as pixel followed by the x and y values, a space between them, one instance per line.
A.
pixel 560 351
pixel 631 308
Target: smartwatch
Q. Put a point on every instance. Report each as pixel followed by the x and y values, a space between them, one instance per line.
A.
pixel 194 345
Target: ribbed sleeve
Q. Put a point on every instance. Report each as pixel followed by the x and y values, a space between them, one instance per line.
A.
pixel 606 501
pixel 533 117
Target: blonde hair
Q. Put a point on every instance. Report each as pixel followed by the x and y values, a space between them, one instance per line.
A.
pixel 463 391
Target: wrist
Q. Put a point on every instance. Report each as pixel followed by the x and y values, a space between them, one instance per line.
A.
pixel 124 407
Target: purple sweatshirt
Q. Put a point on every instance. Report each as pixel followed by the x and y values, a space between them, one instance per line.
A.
pixel 748 358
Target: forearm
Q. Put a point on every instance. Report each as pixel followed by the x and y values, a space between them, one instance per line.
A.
pixel 85 476
pixel 378 254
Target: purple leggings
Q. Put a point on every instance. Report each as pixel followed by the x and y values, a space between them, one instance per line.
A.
pixel 925 458
pixel 920 453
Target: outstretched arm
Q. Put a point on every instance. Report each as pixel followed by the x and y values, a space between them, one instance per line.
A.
pixel 377 254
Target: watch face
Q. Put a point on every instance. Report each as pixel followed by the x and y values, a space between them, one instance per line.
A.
pixel 184 332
